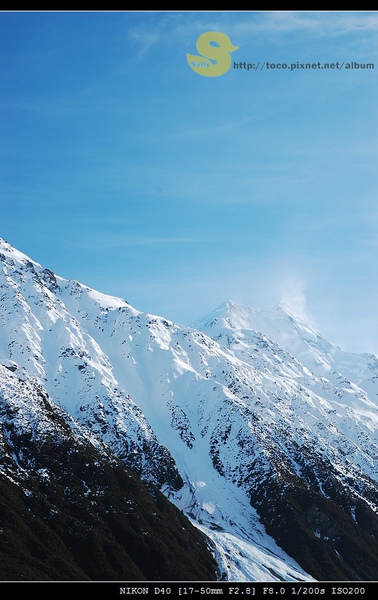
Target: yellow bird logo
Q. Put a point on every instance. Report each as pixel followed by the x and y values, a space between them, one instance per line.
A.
pixel 214 48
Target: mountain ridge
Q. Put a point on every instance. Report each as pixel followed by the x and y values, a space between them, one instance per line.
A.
pixel 215 418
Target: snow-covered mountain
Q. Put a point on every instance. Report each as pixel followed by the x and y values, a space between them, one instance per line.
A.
pixel 263 433
pixel 292 334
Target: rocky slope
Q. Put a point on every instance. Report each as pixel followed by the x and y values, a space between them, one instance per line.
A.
pixel 69 510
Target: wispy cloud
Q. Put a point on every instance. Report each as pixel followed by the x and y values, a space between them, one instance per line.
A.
pixel 115 240
pixel 292 291
pixel 240 25
pixel 324 22
pixel 155 241
pixel 245 23
pixel 145 40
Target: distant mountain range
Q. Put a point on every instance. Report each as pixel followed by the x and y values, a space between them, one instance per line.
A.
pixel 243 447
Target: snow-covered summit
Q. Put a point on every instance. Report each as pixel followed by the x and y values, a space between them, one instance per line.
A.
pixel 14 259
pixel 281 325
pixel 15 255
pixel 275 321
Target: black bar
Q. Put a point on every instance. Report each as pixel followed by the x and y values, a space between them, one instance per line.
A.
pixel 184 589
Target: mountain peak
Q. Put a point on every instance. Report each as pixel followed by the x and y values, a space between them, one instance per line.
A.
pixel 10 252
pixel 279 324
pixel 231 315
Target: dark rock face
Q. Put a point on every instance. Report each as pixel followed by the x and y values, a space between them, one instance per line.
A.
pixel 71 511
pixel 331 541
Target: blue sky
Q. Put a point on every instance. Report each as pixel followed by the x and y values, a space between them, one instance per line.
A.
pixel 126 170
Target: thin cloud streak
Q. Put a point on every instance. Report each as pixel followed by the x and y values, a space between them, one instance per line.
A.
pixel 324 23
pixel 123 241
